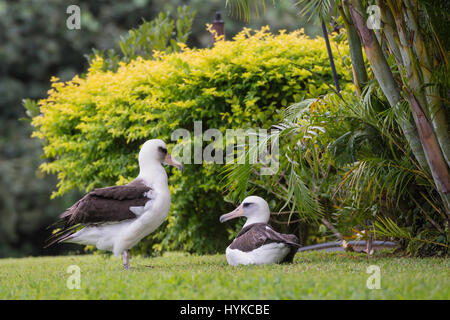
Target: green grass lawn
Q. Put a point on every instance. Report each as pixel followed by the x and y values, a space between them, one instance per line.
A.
pixel 313 275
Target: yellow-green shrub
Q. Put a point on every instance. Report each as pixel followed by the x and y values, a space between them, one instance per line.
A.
pixel 92 127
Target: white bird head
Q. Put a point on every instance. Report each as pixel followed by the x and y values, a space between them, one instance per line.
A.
pixel 155 151
pixel 254 208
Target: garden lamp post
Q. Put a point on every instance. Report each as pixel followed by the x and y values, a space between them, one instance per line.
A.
pixel 218 26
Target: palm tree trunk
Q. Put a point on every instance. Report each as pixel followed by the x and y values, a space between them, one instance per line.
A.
pixel 390 31
pixel 383 74
pixel 356 55
pixel 438 166
pixel 436 111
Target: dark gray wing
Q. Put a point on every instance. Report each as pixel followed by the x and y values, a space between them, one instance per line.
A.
pixel 110 204
pixel 258 234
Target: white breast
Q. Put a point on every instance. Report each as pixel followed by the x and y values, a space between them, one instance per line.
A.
pixel 145 224
pixel 266 254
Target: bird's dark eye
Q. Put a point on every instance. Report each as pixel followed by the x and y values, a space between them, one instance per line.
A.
pixel 163 150
pixel 247 204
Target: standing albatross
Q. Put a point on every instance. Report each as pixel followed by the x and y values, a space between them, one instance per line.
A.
pixel 117 218
pixel 257 242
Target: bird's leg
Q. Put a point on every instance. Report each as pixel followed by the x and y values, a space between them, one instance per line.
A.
pixel 126 260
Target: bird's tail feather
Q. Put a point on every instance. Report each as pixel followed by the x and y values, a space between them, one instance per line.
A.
pixel 61 235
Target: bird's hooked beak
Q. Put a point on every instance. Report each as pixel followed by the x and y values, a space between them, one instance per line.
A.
pixel 172 162
pixel 238 212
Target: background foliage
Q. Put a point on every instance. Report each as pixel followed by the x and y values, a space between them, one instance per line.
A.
pixel 343 161
pixel 382 152
pixel 36 45
pixel 92 127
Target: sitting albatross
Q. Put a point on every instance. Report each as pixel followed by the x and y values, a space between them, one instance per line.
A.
pixel 117 218
pixel 257 242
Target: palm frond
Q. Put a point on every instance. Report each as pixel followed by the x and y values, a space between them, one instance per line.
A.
pixel 378 179
pixel 291 182
pixel 386 227
pixel 322 8
pixel 301 198
pixel 245 9
pixel 296 110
